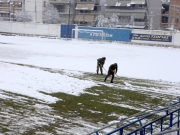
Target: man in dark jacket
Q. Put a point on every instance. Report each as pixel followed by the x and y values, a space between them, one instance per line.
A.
pixel 112 70
pixel 100 63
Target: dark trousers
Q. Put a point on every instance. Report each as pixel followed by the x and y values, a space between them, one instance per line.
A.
pixel 110 73
pixel 99 66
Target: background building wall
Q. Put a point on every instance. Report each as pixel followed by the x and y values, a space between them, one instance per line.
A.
pixel 153 11
pixel 35 9
pixel 9 8
pixel 165 14
pixel 30 8
pixel 102 7
pixel 174 14
pixel 154 14
pixel 39 10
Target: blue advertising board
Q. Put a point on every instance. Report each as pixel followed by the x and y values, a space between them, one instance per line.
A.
pixel 151 37
pixel 66 30
pixel 111 34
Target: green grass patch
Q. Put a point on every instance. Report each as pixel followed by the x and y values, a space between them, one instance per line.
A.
pixel 98 103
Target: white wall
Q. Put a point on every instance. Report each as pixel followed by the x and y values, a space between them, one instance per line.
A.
pixel 176 38
pixel 55 29
pixel 30 28
pixel 5 26
pixel 156 32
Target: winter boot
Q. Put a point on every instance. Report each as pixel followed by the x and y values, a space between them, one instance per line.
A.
pixel 105 78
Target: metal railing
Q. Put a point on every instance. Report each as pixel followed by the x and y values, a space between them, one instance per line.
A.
pixel 168 131
pixel 157 120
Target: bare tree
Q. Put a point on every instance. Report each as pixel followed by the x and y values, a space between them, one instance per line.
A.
pixel 114 20
pixel 102 21
pixel 51 15
pixel 22 16
pixel 99 20
pixel 107 22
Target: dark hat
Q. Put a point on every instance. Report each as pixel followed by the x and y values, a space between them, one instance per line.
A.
pixel 115 64
pixel 104 57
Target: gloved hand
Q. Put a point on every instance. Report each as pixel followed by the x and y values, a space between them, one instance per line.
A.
pixel 114 71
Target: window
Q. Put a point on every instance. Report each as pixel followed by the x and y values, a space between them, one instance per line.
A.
pixel 164 19
pixel 139 20
pixel 86 0
pixel 61 8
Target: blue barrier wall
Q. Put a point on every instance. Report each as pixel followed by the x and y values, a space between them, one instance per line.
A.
pixel 66 30
pixel 112 34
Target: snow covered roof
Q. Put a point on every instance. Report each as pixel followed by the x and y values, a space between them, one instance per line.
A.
pixel 124 3
pixel 165 1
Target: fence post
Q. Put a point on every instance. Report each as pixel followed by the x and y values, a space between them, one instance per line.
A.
pixel 171 120
pixel 140 123
pixel 166 112
pixel 178 121
pixel 151 128
pixel 141 131
pixel 121 132
pixel 161 124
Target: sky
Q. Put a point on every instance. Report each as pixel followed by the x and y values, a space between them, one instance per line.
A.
pixel 76 57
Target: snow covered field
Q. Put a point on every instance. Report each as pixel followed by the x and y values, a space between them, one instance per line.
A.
pixel 22 58
pixel 141 62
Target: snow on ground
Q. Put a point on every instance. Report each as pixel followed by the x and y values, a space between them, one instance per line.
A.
pixel 142 62
pixel 29 81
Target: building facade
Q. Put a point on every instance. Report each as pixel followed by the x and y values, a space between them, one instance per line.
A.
pixel 165 14
pixel 8 8
pixel 33 7
pixel 80 12
pixel 154 14
pixel 144 14
pixel 174 15
pixel 131 13
pixel 66 9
